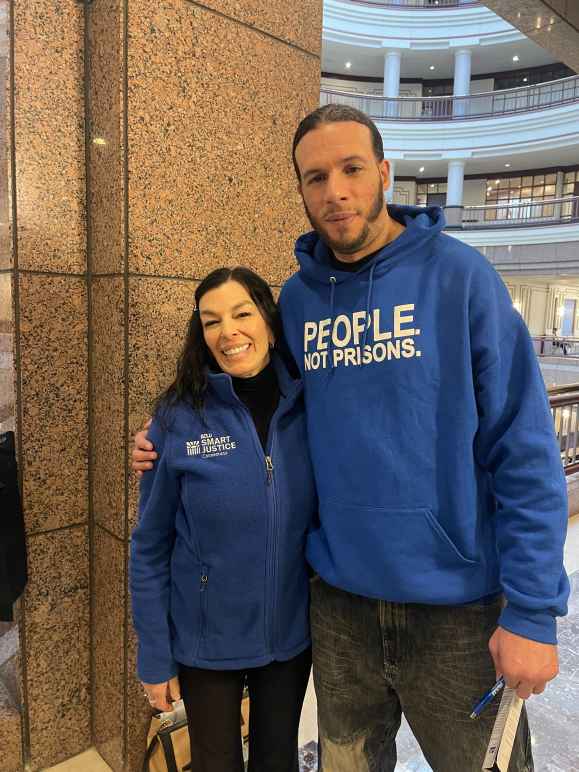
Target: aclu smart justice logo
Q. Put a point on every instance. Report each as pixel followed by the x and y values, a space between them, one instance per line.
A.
pixel 208 445
pixel 347 332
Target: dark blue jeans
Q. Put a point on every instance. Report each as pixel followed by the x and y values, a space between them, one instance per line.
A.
pixel 375 660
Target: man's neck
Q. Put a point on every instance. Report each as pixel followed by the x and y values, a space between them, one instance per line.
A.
pixel 391 230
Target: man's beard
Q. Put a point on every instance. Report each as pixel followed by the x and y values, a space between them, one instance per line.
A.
pixel 351 246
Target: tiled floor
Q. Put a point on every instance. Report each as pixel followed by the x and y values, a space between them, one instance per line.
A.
pixel 554 716
pixel 90 761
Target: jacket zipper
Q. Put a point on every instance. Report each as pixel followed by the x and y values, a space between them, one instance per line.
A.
pixel 271 548
pixel 274 547
pixel 204 580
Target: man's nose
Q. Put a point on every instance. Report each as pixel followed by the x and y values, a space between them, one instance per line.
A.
pixel 335 188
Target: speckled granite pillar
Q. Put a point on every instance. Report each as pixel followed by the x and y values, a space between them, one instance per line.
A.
pixel 45 269
pixel 192 110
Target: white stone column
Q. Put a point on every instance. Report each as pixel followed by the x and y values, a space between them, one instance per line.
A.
pixel 392 61
pixel 462 70
pixel 454 190
pixel 558 209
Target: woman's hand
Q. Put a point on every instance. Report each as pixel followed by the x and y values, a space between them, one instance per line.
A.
pixel 161 696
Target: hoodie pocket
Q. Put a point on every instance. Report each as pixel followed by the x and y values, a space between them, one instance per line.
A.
pixel 404 555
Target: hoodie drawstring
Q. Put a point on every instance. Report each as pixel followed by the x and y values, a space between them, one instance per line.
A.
pixel 368 304
pixel 332 293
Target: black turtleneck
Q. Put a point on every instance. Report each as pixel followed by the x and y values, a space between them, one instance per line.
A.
pixel 339 265
pixel 260 395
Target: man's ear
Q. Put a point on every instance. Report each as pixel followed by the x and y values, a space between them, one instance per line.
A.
pixel 385 173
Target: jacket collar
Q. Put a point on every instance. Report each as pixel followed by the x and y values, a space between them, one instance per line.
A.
pixel 290 389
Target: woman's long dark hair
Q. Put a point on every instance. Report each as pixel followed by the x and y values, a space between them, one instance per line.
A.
pixel 190 382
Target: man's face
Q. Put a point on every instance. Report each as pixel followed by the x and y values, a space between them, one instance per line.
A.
pixel 342 186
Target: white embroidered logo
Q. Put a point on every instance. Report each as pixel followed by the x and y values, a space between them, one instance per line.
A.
pixel 209 445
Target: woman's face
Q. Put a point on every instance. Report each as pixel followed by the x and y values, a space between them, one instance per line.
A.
pixel 234 330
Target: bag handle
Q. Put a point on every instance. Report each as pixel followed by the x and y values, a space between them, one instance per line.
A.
pixel 149 753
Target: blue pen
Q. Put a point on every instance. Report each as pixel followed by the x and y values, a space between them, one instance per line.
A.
pixel 477 710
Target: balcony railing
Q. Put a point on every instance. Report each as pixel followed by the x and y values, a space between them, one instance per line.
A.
pixel 553 211
pixel 565 409
pixel 447 108
pixel 418 3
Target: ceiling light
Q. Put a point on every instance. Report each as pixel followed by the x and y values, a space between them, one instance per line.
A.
pixel 508 166
pixel 539 22
pixel 99 141
pixel 432 67
pixel 552 21
pixel 497 182
pixel 515 58
pixel 549 28
pixel 431 185
pixel 421 170
pixel 525 80
pixel 489 189
pixel 348 65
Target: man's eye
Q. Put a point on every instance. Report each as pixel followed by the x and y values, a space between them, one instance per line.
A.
pixel 352 169
pixel 317 178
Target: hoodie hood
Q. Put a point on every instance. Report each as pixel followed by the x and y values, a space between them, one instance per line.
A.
pixel 423 224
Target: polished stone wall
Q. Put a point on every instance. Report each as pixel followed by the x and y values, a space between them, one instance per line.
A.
pixel 46 258
pixel 151 143
pixel 192 111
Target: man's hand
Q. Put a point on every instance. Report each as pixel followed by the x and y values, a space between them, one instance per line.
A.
pixel 161 696
pixel 526 665
pixel 143 452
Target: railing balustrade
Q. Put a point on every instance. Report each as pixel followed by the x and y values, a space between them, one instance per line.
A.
pixel 419 3
pixel 545 212
pixel 448 108
pixel 557 346
pixel 565 411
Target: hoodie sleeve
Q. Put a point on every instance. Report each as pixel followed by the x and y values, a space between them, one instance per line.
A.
pixel 516 444
pixel 150 564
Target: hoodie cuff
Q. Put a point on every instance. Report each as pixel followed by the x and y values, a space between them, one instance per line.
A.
pixel 538 626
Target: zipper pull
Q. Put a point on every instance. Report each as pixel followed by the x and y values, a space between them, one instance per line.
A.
pixel 269 467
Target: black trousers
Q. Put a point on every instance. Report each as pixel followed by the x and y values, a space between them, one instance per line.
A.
pixel 212 700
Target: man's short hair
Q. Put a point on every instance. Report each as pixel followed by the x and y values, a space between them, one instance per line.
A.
pixel 336 114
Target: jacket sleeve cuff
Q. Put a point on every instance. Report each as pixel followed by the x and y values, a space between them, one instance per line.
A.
pixel 156 672
pixel 540 626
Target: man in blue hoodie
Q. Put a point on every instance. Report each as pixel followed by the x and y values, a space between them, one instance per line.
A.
pixel 439 549
pixel 443 508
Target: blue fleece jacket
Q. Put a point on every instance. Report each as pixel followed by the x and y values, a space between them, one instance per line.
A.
pixel 218 576
pixel 438 473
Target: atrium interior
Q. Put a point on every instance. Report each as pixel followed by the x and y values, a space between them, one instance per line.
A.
pixel 477 104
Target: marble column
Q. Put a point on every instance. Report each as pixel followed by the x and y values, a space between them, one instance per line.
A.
pixel 185 165
pixel 392 63
pixel 49 346
pixel 189 169
pixel 453 209
pixel 461 86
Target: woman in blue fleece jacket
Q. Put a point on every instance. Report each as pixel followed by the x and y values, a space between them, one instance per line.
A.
pixel 218 577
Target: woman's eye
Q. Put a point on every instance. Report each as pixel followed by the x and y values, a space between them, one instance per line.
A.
pixel 210 324
pixel 245 313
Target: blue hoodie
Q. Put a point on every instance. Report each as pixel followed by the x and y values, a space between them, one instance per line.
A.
pixel 218 575
pixel 438 472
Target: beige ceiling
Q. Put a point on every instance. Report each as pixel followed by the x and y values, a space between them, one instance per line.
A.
pixel 553 24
